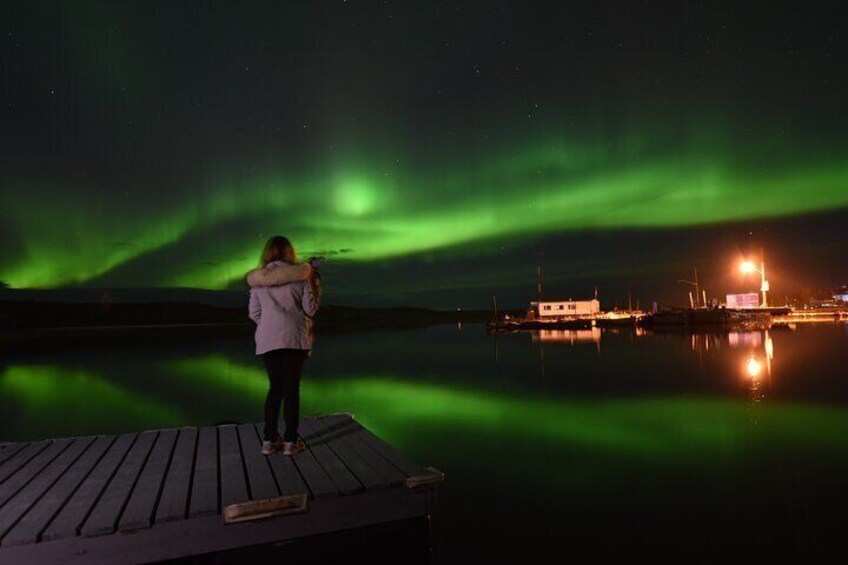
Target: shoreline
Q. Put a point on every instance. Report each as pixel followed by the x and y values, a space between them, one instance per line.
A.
pixel 24 315
pixel 30 327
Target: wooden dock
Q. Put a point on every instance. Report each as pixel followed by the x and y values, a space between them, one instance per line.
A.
pixel 174 493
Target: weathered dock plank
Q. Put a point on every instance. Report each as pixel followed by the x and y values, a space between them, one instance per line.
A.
pixel 11 449
pixel 138 512
pixel 69 520
pixel 335 435
pixel 262 483
pixel 287 475
pixel 204 486
pixel 344 480
pixel 34 466
pixel 316 478
pixel 233 480
pixel 345 425
pixel 173 504
pixel 403 462
pixel 104 517
pixel 21 458
pixel 37 518
pixel 26 498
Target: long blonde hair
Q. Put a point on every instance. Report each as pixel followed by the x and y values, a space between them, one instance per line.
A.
pixel 278 248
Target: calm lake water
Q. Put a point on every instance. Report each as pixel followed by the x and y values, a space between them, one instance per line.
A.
pixel 595 444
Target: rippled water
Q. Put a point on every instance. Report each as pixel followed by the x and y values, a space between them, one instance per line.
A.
pixel 591 443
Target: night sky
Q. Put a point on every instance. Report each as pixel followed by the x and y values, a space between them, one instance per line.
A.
pixel 434 152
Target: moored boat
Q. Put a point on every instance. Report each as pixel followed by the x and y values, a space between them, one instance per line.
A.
pixel 704 317
pixel 512 324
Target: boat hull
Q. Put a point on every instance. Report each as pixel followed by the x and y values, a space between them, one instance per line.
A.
pixel 512 325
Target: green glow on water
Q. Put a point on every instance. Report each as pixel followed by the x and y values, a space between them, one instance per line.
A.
pixel 664 428
pixel 77 402
pixel 659 428
pixel 381 209
pixel 218 370
pixel 655 427
pixel 587 441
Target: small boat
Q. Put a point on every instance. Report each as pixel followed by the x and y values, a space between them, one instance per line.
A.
pixel 564 315
pixel 514 324
pixel 720 317
pixel 617 319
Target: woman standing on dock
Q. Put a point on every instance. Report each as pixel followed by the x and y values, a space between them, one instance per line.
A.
pixel 283 316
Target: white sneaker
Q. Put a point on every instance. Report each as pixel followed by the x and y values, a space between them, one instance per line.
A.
pixel 293 447
pixel 269 448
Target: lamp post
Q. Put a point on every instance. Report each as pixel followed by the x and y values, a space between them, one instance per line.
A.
pixel 749 267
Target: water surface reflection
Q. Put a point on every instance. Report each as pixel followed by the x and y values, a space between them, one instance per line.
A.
pixel 620 440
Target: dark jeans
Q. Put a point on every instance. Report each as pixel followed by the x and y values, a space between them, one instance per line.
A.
pixel 285 367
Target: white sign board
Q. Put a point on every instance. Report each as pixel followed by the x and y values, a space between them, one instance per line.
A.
pixel 744 300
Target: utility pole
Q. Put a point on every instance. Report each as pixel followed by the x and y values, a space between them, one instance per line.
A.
pixel 539 282
pixel 697 294
pixel 763 283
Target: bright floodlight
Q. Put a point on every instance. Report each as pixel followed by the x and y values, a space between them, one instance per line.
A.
pixel 753 367
pixel 747 267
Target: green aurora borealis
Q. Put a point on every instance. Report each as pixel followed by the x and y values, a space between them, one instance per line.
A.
pixel 159 146
pixel 381 212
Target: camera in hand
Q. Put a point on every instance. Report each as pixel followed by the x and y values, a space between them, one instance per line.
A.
pixel 316 263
